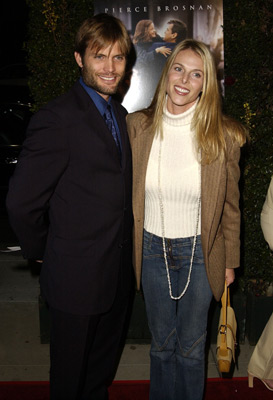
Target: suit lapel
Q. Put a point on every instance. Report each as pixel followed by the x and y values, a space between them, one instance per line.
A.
pixel 141 146
pixel 97 124
pixel 142 149
pixel 210 183
pixel 120 117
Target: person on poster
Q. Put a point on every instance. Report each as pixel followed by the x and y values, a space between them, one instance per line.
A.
pixel 186 215
pixel 145 34
pixel 175 32
pixel 144 68
pixel 69 203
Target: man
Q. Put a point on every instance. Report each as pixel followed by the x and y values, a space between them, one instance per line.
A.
pixel 69 203
pixel 175 32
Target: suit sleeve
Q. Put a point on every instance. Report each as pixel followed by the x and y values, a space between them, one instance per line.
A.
pixel 43 160
pixel 231 219
pixel 144 57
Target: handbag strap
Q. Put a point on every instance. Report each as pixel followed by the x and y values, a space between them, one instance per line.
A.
pixel 223 328
pixel 225 302
pixel 228 295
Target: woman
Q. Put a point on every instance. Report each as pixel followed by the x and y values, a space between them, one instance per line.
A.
pixel 185 196
pixel 145 67
pixel 144 32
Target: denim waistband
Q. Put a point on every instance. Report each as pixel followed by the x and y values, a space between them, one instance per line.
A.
pixel 174 242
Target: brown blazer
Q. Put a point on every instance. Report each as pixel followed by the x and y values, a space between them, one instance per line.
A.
pixel 220 215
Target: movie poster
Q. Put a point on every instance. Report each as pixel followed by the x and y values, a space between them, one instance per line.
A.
pixel 155 27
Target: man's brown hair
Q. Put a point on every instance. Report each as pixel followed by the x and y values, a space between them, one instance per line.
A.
pixel 99 32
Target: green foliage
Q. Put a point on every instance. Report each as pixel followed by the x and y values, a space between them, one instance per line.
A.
pixel 248 31
pixel 52 27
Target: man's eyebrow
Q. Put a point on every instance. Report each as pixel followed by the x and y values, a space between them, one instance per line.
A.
pixel 106 55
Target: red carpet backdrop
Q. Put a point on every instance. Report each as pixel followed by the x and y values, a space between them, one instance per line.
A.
pixel 216 389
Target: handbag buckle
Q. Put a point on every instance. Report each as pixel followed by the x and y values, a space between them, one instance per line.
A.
pixel 223 329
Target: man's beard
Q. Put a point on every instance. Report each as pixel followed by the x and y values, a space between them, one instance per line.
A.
pixel 90 80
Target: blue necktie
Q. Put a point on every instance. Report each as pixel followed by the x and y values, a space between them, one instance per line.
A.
pixel 111 126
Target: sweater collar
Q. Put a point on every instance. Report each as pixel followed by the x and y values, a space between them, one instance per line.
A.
pixel 184 118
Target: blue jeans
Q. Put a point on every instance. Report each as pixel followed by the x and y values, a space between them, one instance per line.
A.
pixel 178 327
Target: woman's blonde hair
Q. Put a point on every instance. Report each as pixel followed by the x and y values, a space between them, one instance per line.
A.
pixel 209 124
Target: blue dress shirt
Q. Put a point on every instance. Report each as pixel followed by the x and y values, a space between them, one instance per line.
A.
pixel 101 105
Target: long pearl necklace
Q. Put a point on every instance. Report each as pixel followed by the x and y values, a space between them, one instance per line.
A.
pixel 160 197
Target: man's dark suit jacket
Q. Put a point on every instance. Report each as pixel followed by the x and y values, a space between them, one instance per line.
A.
pixel 69 203
pixel 159 59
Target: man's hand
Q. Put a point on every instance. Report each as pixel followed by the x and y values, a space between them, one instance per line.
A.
pixel 163 50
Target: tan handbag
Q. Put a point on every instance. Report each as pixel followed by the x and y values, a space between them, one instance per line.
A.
pixel 226 337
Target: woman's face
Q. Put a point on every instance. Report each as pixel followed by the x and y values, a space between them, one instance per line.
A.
pixel 151 31
pixel 184 81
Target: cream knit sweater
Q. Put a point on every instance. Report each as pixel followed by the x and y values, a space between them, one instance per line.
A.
pixel 180 179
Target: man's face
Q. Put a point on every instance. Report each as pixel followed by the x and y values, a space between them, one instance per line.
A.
pixel 102 71
pixel 169 36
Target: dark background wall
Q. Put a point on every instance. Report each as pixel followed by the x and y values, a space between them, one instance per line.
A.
pixel 13 28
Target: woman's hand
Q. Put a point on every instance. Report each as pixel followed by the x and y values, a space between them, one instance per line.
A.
pixel 163 50
pixel 230 276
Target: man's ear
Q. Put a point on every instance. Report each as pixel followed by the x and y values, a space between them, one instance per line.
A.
pixel 174 35
pixel 78 59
